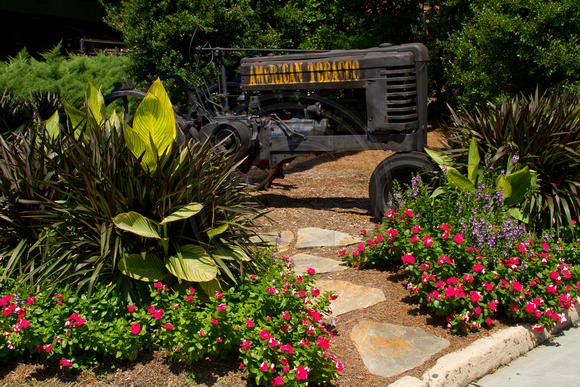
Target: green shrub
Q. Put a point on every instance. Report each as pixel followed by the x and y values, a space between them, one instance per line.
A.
pixel 65 76
pixel 542 131
pixel 513 46
pixel 62 196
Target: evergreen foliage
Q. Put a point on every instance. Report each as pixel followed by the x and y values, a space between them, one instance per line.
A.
pixel 63 75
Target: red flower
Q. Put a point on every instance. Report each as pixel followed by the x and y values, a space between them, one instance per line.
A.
pixel 310 270
pixel 222 307
pixel 264 366
pixel 323 342
pixel 302 372
pixel 131 308
pixel 168 326
pixel 458 238
pixel 135 329
pixel 246 344
pixel 65 363
pixel 408 258
pixel 278 381
pixel 249 322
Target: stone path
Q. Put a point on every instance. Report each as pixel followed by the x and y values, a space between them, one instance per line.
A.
pixel 386 349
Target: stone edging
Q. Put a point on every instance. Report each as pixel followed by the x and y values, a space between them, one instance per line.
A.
pixel 484 355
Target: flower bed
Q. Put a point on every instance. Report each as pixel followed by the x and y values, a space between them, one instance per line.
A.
pixel 467 259
pixel 273 321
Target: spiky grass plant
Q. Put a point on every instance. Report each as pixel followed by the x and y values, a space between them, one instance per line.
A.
pixel 542 130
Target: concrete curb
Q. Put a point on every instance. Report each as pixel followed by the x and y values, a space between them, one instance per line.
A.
pixel 484 355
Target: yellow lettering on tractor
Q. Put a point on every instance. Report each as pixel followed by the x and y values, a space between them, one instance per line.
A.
pixel 316 72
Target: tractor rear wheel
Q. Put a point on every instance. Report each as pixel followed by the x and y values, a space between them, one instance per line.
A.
pixel 399 167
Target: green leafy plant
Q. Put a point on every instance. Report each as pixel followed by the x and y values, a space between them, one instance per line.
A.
pixel 467 259
pixel 516 184
pixel 61 75
pixel 273 321
pixel 541 131
pixel 66 187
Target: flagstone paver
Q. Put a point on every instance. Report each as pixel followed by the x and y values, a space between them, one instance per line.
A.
pixel 350 296
pixel 389 349
pixel 283 239
pixel 321 265
pixel 386 349
pixel 317 237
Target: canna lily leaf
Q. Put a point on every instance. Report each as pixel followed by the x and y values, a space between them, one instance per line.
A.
pixel 218 230
pixel 192 263
pixel 521 181
pixel 473 161
pixel 230 252
pixel 76 118
pixel 459 181
pixel 154 125
pixel 137 224
pixel 114 123
pixel 184 212
pixel 149 268
pixel 52 126
pixel 441 159
pixel 211 287
pixel 504 186
pixel 96 104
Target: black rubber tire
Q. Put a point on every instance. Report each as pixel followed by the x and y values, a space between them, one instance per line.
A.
pixel 400 167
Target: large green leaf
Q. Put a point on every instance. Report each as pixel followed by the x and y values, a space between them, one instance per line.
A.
pixel 473 161
pixel 137 224
pixel 52 126
pixel 459 181
pixel 230 252
pixel 218 230
pixel 441 159
pixel 138 147
pixel 149 268
pixel 75 118
pixel 184 212
pixel 192 263
pixel 504 186
pixel 96 104
pixel 211 287
pixel 521 181
pixel 154 124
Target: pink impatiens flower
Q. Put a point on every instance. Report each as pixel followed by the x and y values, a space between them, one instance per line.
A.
pixel 278 381
pixel 131 308
pixel 302 372
pixel 264 367
pixel 168 326
pixel 408 258
pixel 135 329
pixel 222 307
pixel 310 270
pixel 458 238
